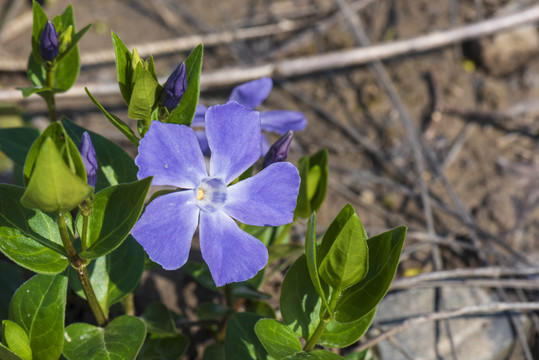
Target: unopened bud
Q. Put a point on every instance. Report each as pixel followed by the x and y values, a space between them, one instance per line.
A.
pixel 48 42
pixel 279 150
pixel 87 153
pixel 174 87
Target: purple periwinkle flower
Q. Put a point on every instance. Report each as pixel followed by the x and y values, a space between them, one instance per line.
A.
pixel 279 150
pixel 48 42
pixel 87 153
pixel 171 154
pixel 174 87
pixel 251 94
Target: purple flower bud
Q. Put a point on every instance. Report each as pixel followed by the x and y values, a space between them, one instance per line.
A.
pixel 48 42
pixel 87 152
pixel 279 150
pixel 174 87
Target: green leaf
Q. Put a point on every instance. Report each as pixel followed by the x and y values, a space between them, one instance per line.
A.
pixel 115 275
pixel 115 166
pixel 211 311
pixel 121 339
pixel 39 21
pixel 158 319
pixel 312 263
pixel 115 210
pixel 38 307
pixel 74 41
pixel 214 351
pixel 344 255
pixel 123 68
pixel 10 279
pixel 116 121
pixel 158 347
pixel 315 355
pixel 360 299
pixel 338 335
pixel 261 308
pixel 27 91
pixel 15 142
pixel 278 340
pixel 241 341
pixel 143 97
pixel 314 182
pixel 6 354
pixel 53 186
pixel 185 112
pixel 16 339
pixel 201 273
pixel 363 355
pixel 29 237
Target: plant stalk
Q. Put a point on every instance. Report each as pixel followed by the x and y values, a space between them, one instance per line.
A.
pixel 325 319
pixel 49 96
pixel 80 266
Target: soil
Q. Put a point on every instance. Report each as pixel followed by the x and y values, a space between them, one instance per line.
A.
pixel 473 105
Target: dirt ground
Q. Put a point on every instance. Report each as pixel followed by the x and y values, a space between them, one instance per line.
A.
pixel 474 107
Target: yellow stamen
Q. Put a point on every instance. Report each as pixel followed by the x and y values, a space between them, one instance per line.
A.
pixel 200 194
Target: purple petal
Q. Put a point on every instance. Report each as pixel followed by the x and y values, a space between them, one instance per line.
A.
pixel 233 133
pixel 166 228
pixel 87 153
pixel 280 121
pixel 265 146
pixel 171 154
pixel 200 114
pixel 252 93
pixel 231 254
pixel 203 141
pixel 266 199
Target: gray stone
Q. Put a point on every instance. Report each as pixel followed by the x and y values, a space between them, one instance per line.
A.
pixel 485 337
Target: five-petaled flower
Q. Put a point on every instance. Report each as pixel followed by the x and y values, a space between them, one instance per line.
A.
pixel 251 94
pixel 171 154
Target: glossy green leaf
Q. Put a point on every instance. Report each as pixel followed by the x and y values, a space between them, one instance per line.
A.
pixel 278 340
pixel 115 210
pixel 363 355
pixel 123 67
pixel 15 142
pixel 344 255
pixel 115 166
pixel 16 339
pixel 311 256
pixel 261 308
pixel 53 186
pixel 314 182
pixel 115 275
pixel 38 307
pixel 201 273
pixel 185 112
pixel 64 144
pixel 68 62
pixel 339 335
pixel 121 339
pixel 10 279
pixel 143 97
pixel 116 121
pixel 74 42
pixel 241 341
pixel 300 303
pixel 29 237
pixel 314 355
pixel 158 347
pixel 6 354
pixel 158 319
pixel 39 21
pixel 384 253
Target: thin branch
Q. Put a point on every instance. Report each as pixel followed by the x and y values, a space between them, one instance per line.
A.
pixel 465 311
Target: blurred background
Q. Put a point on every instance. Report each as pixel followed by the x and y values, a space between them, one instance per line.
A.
pixel 429 112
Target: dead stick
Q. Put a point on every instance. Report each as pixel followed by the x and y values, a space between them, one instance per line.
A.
pixel 465 311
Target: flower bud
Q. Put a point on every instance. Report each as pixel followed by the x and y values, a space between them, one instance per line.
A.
pixel 279 150
pixel 48 42
pixel 87 153
pixel 174 87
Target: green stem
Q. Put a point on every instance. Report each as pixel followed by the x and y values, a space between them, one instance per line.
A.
pixel 128 304
pixel 325 319
pixel 80 266
pixel 49 98
pixel 84 232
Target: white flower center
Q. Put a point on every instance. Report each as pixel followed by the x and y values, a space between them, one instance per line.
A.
pixel 211 194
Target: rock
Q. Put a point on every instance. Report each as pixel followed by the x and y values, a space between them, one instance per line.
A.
pixel 485 337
